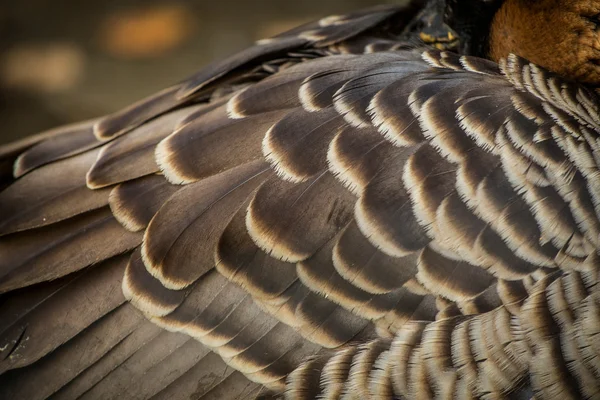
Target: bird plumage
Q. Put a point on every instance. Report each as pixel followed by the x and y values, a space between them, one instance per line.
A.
pixel 332 213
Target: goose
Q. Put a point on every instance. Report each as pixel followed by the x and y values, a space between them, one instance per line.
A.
pixel 401 202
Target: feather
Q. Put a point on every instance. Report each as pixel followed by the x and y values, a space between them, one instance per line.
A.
pixel 159 361
pixel 42 327
pixel 123 121
pixel 291 221
pixel 66 142
pixel 322 33
pixel 145 292
pixel 317 222
pixel 132 155
pixel 353 98
pixel 317 90
pixel 81 382
pixel 280 91
pixel 369 268
pixel 234 386
pixel 208 373
pixel 355 156
pixel 273 355
pixel 178 245
pixel 443 277
pixel 241 261
pixel 326 323
pixel 135 203
pixel 30 203
pixel 285 143
pixel 319 275
pixel 72 358
pixel 391 113
pixel 251 56
pixel 204 148
pixel 384 212
pixel 59 249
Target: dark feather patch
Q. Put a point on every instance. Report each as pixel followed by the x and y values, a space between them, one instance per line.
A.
pixel 59 249
pixel 241 261
pixel 55 319
pixel 355 156
pixel 123 121
pixel 285 144
pixel 318 90
pixel 326 323
pixel 60 367
pixel 365 266
pixel 136 202
pixel 65 142
pixel 352 100
pixel 391 112
pixel 273 355
pixel 31 203
pixel 132 156
pixel 147 293
pixel 213 144
pixel 282 90
pixel 319 274
pixel 291 221
pixel 444 277
pixel 179 245
pixel 384 212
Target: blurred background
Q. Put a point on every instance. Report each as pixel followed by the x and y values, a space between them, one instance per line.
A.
pixel 67 60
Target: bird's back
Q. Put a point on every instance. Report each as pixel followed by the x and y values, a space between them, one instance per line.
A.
pixel 334 212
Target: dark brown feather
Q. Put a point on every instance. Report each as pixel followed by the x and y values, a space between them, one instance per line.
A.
pixel 59 249
pixel 179 245
pixel 135 203
pixel 30 203
pixel 132 156
pixel 60 367
pixel 282 212
pixel 66 142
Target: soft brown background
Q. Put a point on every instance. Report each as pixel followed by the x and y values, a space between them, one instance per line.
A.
pixel 66 60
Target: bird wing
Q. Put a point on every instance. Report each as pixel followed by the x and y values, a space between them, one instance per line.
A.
pixel 321 214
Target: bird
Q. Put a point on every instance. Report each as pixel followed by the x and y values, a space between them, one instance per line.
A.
pixel 401 202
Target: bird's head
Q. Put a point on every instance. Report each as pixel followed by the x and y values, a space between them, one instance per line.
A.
pixel 561 35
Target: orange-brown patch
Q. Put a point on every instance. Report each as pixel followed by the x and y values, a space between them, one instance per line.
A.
pixel 560 35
